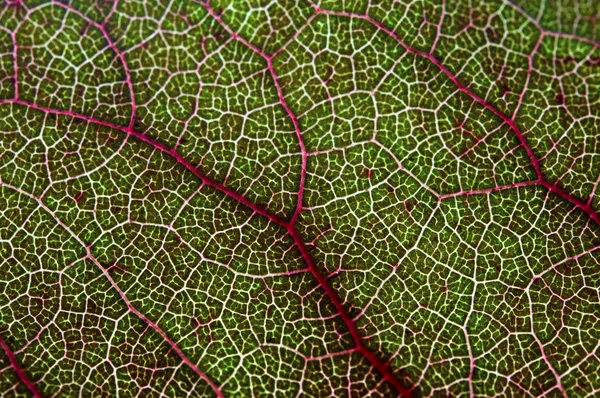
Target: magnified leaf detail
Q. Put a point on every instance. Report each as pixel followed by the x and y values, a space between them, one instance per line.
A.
pixel 294 198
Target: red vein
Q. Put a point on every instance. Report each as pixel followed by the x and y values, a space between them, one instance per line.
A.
pixel 300 141
pixel 15 64
pixel 269 59
pixel 157 328
pixel 130 306
pixel 163 148
pixel 17 368
pixel 113 47
pixel 584 206
pixel 489 190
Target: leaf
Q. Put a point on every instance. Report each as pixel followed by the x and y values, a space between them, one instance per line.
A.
pixel 285 198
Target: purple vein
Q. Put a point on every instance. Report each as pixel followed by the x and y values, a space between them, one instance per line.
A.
pixel 17 368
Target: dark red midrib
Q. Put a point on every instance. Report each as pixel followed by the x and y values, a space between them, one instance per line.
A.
pixel 541 179
pixel 382 368
pixel 386 372
pixel 17 368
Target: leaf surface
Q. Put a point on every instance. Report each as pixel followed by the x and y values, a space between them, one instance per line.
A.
pixel 287 198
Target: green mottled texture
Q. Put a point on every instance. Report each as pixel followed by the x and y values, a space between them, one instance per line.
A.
pixel 153 155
